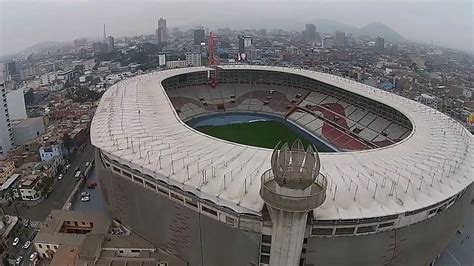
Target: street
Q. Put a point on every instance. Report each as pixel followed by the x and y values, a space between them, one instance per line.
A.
pixel 38 213
pixel 96 203
pixel 61 190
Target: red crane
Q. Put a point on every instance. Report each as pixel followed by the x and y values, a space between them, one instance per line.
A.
pixel 211 47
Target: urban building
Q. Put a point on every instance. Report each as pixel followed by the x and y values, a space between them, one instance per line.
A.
pixel 11 71
pixel 327 42
pixel 379 43
pixel 29 188
pixel 244 42
pixel 340 38
pixel 193 59
pixel 48 152
pixel 310 33
pixel 428 100
pixel 162 60
pixel 161 31
pixel 76 238
pixel 467 92
pixel 110 44
pixel 6 134
pixel 7 223
pixel 176 64
pixel 6 170
pixel 199 36
pixel 16 104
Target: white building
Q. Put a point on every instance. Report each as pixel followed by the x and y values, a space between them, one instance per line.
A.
pixel 16 104
pixel 48 78
pixel 193 59
pixel 176 64
pixel 428 100
pixel 467 92
pixel 328 43
pixel 162 59
pixel 28 189
pixel 47 153
pixel 6 135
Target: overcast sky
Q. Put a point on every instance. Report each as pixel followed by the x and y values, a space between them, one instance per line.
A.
pixel 24 22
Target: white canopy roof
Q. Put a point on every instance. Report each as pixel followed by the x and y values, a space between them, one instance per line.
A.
pixel 137 125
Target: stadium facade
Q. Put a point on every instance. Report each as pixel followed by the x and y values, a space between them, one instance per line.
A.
pixel 395 191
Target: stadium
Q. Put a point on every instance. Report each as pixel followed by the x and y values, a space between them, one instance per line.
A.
pixel 390 174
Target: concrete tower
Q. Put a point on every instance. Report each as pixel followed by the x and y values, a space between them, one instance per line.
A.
pixel 291 188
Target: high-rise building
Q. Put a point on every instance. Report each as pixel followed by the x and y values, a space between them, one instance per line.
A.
pixel 379 43
pixel 161 34
pixel 16 104
pixel 110 44
pixel 193 59
pixel 310 33
pixel 11 71
pixel 340 38
pixel 6 135
pixel 104 36
pixel 199 36
pixel 327 42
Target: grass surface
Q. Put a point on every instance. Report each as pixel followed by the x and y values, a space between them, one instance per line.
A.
pixel 265 134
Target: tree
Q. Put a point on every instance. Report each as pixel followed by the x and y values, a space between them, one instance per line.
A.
pixel 68 143
pixel 29 97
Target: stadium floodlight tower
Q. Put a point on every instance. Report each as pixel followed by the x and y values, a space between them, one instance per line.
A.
pixel 291 188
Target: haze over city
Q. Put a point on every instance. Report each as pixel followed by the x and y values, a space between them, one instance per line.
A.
pixel 265 133
pixel 25 23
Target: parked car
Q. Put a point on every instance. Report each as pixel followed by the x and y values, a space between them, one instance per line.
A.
pixel 85 194
pixel 68 166
pixel 60 177
pixel 18 260
pixel 85 199
pixel 27 244
pixel 87 163
pixel 16 241
pixel 33 256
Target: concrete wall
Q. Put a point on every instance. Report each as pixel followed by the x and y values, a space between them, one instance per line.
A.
pixel 201 240
pixel 194 237
pixel 27 130
pixel 417 244
pixel 16 104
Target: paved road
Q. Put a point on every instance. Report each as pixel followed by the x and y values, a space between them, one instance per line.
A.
pixel 61 190
pixel 96 203
pixel 25 234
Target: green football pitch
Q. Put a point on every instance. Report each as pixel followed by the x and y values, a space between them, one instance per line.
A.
pixel 265 134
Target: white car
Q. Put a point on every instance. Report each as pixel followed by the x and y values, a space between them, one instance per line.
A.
pixel 60 177
pixel 85 199
pixel 87 164
pixel 85 194
pixel 18 260
pixel 67 166
pixel 16 241
pixel 27 244
pixel 33 256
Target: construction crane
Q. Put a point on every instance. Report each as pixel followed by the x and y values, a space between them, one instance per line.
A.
pixel 211 47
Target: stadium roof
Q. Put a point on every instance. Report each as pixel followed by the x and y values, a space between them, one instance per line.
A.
pixel 137 125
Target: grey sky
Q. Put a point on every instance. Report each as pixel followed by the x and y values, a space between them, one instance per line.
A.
pixel 24 23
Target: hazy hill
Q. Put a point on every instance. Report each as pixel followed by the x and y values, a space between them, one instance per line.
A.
pixel 379 29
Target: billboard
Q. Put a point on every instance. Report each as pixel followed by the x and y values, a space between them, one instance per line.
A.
pixel 470 120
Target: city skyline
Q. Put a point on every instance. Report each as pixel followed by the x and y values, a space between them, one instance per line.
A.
pixel 130 20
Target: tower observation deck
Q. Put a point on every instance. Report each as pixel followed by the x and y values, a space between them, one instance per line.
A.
pixel 291 188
